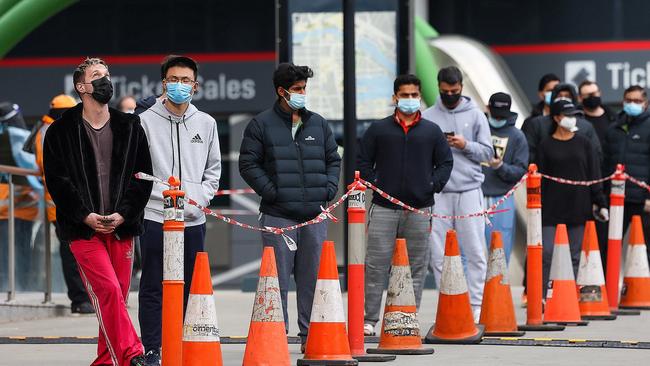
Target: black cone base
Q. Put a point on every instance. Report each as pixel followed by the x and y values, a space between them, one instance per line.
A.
pixel 432 339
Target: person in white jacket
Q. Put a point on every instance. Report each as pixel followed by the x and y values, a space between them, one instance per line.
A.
pixel 183 142
pixel 468 135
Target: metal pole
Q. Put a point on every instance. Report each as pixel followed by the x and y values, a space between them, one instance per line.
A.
pixel 349 111
pixel 11 253
pixel 48 254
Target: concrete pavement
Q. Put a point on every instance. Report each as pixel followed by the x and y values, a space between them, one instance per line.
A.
pixel 234 309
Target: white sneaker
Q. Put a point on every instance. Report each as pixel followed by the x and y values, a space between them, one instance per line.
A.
pixel 476 312
pixel 368 330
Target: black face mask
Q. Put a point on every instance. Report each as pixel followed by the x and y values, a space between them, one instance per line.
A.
pixel 591 102
pixel 450 100
pixel 102 90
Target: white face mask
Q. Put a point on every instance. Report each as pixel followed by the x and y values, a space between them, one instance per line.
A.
pixel 569 124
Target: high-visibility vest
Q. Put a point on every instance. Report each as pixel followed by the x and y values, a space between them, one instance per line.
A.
pixel 38 152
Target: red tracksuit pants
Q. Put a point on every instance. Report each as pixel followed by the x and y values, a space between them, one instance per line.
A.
pixel 105 265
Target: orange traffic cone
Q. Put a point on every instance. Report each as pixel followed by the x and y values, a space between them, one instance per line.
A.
pixel 592 293
pixel 201 343
pixel 636 282
pixel 497 309
pixel 561 297
pixel 267 340
pixel 454 318
pixel 400 330
pixel 327 339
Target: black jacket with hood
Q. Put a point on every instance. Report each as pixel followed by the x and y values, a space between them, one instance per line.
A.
pixel 71 173
pixel 294 176
pixel 628 142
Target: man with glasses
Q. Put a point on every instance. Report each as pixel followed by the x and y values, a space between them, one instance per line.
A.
pixel 184 143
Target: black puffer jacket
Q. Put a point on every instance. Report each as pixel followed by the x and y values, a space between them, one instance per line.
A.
pixel 71 173
pixel 294 177
pixel 628 142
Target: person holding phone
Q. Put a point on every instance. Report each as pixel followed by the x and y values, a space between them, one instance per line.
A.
pixel 470 145
pixel 504 169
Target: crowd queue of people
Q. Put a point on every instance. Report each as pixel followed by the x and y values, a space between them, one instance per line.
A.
pixel 454 158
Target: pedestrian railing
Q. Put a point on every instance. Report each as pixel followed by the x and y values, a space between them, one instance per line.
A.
pixel 9 172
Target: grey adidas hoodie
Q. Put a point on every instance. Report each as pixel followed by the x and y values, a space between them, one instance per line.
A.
pixel 470 122
pixel 194 138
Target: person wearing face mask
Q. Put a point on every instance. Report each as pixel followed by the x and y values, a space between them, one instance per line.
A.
pixel 541 127
pixel 599 115
pixel 468 135
pixel 544 90
pixel 627 142
pixel 569 155
pixel 408 157
pixel 184 143
pixel 505 168
pixel 289 157
pixel 90 156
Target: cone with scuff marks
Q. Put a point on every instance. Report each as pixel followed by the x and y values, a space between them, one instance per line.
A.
pixel 327 339
pixel 400 330
pixel 454 318
pixel 267 340
pixel 201 342
pixel 636 279
pixel 561 297
pixel 497 309
pixel 592 293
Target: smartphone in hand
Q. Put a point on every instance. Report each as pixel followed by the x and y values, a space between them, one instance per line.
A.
pixel 450 133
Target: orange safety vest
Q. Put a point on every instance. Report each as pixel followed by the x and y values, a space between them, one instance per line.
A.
pixel 38 151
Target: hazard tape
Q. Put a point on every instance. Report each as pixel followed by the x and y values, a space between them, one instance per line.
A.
pixel 637 182
pixel 490 211
pixel 577 182
pixel 326 213
pixel 225 192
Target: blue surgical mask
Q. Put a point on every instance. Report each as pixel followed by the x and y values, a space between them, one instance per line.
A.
pixel 408 105
pixel 179 93
pixel 547 97
pixel 296 100
pixel 497 123
pixel 633 109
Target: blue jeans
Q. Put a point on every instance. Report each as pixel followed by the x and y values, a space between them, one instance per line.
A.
pixel 23 253
pixel 503 222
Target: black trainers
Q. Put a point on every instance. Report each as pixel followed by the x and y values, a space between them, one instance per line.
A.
pixel 152 358
pixel 82 308
pixel 138 361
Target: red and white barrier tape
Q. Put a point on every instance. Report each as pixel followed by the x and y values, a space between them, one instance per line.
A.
pixel 577 182
pixel 638 182
pixel 225 192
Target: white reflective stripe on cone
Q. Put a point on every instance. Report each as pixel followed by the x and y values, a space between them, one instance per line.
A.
pixel 173 253
pixel 328 303
pixel 590 272
pixel 615 223
pixel 561 266
pixel 268 305
pixel 636 263
pixel 534 232
pixel 201 320
pixel 497 266
pixel 452 281
pixel 400 287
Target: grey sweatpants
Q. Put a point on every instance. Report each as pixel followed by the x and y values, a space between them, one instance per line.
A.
pixel 303 264
pixel 384 226
pixel 471 239
pixel 575 233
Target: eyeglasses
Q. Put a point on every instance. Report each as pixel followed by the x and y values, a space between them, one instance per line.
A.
pixel 174 79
